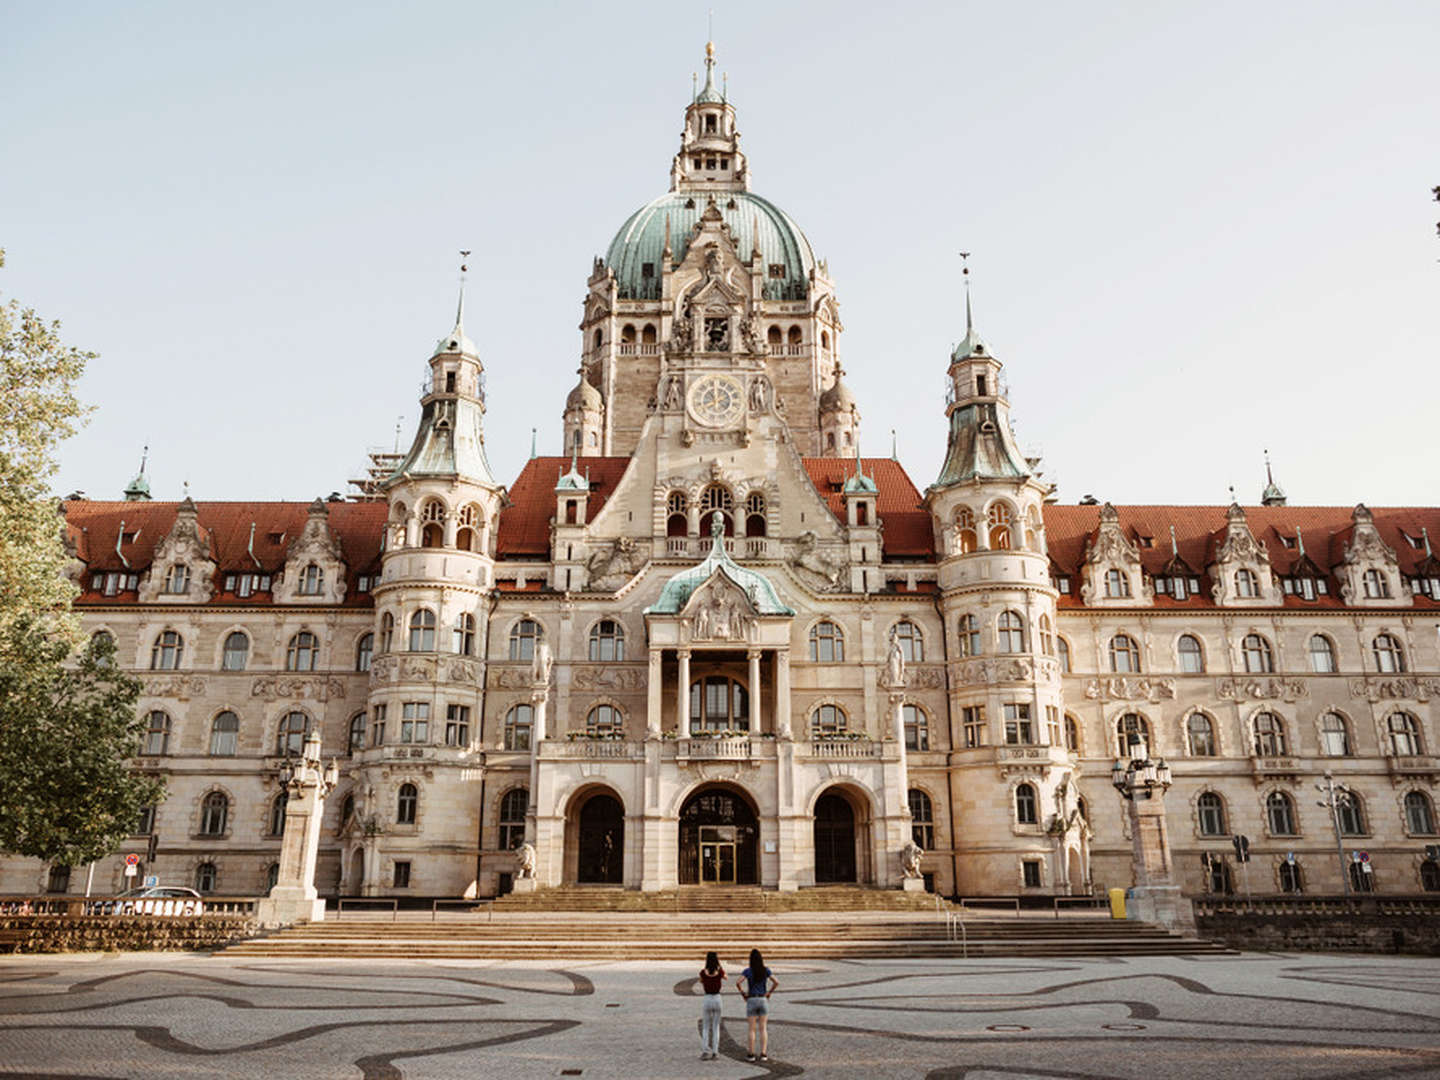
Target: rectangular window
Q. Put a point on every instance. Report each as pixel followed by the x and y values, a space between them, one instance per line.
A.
pixel 457 725
pixel 1062 586
pixel 1052 724
pixel 377 727
pixel 402 875
pixel 415 722
pixel 777 270
pixel 973 717
pixel 647 270
pixel 1018 730
pixel 1030 871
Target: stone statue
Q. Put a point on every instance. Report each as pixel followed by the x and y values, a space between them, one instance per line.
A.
pixel 682 333
pixel 910 859
pixel 541 665
pixel 895 666
pixel 620 561
pixel 527 856
pixel 757 394
pixel 812 563
pixel 672 392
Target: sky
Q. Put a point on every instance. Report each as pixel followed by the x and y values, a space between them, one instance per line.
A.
pixel 1197 232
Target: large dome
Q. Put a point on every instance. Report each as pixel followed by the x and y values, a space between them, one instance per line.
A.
pixel 642 239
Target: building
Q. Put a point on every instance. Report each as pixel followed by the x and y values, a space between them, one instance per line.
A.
pixel 712 644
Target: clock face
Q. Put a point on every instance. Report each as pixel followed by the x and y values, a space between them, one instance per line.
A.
pixel 716 400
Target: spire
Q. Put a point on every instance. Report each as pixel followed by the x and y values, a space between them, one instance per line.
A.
pixel 1424 532
pixel 708 94
pixel 138 490
pixel 456 341
pixel 971 346
pixel 894 446
pixel 1174 548
pixel 1273 495
pixel 532 444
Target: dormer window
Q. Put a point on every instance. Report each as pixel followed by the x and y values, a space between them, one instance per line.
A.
pixel 312 581
pixel 1245 584
pixel 710 124
pixel 1376 587
pixel 177 582
pixel 1306 588
pixel 647 271
pixel 1117 584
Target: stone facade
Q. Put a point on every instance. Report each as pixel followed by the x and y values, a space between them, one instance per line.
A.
pixel 710 643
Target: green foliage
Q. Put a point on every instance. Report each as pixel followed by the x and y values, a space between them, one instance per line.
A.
pixel 67 730
pixel 38 409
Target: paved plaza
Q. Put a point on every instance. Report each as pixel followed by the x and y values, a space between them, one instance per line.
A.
pixel 176 1015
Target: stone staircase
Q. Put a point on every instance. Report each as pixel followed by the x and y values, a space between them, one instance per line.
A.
pixel 602 925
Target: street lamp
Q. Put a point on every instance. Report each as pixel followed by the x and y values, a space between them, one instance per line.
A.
pixel 1138 777
pixel 1336 796
pixel 1142 782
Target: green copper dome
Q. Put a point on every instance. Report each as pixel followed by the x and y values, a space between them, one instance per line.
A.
pixel 641 241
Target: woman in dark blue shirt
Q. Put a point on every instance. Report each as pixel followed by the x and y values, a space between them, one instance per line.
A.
pixel 759 985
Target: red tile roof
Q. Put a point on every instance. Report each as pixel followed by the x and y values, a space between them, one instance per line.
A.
pixel 525 522
pixel 908 531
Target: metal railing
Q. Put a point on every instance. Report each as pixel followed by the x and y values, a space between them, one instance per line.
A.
pixel 954 926
pixel 376 901
pixel 1020 904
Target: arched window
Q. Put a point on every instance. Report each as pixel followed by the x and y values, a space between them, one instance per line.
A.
pixel 1117 584
pixel 357 733
pixel 512 818
pixel 1210 810
pixel 312 581
pixel 523 638
pixel 607 641
pixel 156 740
pixel 998 520
pixel 1192 656
pixel 677 523
pixel 1322 655
pixel 1375 585
pixel 290 737
pixel 405 804
pixel 214 814
pixel 167 652
pixel 364 648
pixel 387 632
pixel 103 640
pixel 718 704
pixel 1334 736
pixel 970 636
pixel 605 722
pixel 1280 814
pixel 1200 735
pixel 1291 879
pixel 1352 815
pixel 463 635
pixel 422 631
pixel 432 527
pixel 466 535
pixel 713 498
pixel 206 877
pixel 1419 814
pixel 1246 585
pixel 912 642
pixel 1026 810
pixel 178 580
pixel 1389 657
pixel 922 819
pixel 966 538
pixel 827 643
pixel 1124 655
pixel 1269 735
pixel 518 724
pixel 347 809
pixel 627 334
pixel 1062 652
pixel 1133 732
pixel 917 728
pixel 1047 636
pixel 1404 732
pixel 755 514
pixel 1072 734
pixel 828 722
pixel 277 813
pixel 224 735
pixel 303 653
pixel 1010 632
pixel 1258 658
pixel 237 652
pixel 774 337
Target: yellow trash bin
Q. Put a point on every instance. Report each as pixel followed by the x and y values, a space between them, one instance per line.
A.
pixel 1117 903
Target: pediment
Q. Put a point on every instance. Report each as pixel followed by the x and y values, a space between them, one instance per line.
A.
pixel 719 610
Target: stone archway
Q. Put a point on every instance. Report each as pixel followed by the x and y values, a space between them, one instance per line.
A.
pixel 719 835
pixel 836 857
pixel 600 841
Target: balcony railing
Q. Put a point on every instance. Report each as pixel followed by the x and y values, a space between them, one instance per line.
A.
pixel 845 748
pixel 733 749
pixel 633 348
pixel 589 749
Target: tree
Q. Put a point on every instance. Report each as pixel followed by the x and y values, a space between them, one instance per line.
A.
pixel 38 409
pixel 67 727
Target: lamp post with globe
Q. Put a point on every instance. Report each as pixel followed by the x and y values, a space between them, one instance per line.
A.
pixel 1142 782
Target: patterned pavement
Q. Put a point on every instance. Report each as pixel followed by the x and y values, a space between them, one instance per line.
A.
pixel 180 1015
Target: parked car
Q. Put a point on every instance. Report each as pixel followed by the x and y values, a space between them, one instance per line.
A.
pixel 154 900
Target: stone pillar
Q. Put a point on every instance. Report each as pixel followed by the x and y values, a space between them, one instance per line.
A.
pixel 782 694
pixel 682 695
pixel 1155 898
pixel 655 699
pixel 294 898
pixel 757 713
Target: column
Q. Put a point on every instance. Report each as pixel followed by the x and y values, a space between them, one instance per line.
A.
pixel 654 697
pixel 682 694
pixel 538 698
pixel 757 717
pixel 782 694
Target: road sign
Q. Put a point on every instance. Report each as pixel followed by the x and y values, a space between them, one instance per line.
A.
pixel 1290 857
pixel 132 860
pixel 1364 856
pixel 131 870
pixel 151 880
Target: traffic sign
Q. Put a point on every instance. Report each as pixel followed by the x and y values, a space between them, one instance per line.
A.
pixel 131 870
pixel 1364 856
pixel 132 859
pixel 151 880
pixel 1290 857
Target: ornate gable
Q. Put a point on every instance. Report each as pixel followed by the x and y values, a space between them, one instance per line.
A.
pixel 719 610
pixel 1112 572
pixel 1369 573
pixel 314 563
pixel 1241 570
pixel 183 567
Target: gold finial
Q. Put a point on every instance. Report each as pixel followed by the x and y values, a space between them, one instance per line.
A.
pixel 709 50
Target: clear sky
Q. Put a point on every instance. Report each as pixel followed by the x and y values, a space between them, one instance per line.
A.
pixel 1198 231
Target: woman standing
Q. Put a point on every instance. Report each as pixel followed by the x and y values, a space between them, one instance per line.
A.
pixel 712 981
pixel 759 985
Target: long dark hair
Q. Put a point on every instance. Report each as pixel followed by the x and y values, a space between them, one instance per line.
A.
pixel 712 962
pixel 757 964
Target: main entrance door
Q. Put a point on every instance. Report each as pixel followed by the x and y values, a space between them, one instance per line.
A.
pixel 602 841
pixel 834 840
pixel 718 839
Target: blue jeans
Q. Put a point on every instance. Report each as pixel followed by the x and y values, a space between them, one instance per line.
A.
pixel 710 1024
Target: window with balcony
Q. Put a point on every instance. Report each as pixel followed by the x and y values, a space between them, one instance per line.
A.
pixel 828 722
pixel 718 703
pixel 605 722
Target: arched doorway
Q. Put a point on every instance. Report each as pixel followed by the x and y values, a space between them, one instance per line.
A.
pixel 718 839
pixel 834 840
pixel 601 846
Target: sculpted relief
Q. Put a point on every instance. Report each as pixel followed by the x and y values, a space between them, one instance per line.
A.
pixel 272 687
pixel 1262 689
pixel 611 567
pixel 721 615
pixel 1130 688
pixel 814 567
